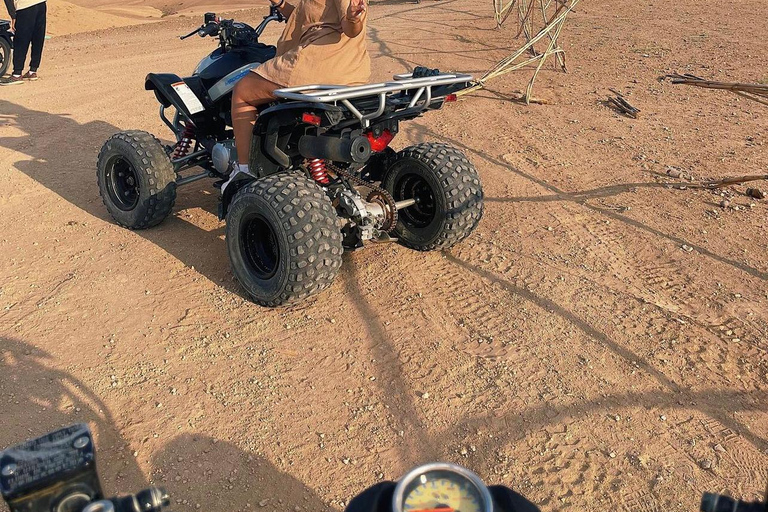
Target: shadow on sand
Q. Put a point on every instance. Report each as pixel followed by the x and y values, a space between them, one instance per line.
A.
pixel 62 155
pixel 196 469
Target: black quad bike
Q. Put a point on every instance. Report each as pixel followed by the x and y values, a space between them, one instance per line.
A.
pixel 6 45
pixel 322 176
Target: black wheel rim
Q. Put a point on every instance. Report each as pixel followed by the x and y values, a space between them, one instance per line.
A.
pixel 413 186
pixel 259 247
pixel 122 184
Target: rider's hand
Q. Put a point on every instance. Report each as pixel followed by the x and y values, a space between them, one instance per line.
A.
pixel 355 11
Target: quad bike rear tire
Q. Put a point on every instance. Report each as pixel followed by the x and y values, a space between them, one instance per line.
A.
pixel 448 194
pixel 136 179
pixel 283 239
pixel 5 56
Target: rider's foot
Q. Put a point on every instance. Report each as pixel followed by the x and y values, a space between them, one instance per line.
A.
pixel 11 80
pixel 31 76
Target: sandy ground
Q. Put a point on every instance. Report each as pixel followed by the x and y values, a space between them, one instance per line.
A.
pixel 69 18
pixel 598 344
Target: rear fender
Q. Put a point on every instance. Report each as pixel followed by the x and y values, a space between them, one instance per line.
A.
pixel 229 192
pixel 278 129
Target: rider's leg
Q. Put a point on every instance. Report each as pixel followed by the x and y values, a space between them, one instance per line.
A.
pixel 250 92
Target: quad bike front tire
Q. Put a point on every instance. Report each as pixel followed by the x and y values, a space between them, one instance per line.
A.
pixel 283 239
pixel 136 179
pixel 5 56
pixel 447 191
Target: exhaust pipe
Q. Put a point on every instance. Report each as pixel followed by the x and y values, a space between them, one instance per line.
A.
pixel 335 149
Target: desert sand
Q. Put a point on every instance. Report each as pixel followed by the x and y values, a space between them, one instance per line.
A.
pixel 598 344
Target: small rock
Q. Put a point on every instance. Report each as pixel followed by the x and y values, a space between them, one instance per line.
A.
pixel 756 193
pixel 725 203
pixel 686 248
pixel 617 418
pixel 425 395
pixel 674 173
pixel 263 503
pixel 705 464
pixel 663 418
pixel 719 448
pixel 612 455
pixel 463 451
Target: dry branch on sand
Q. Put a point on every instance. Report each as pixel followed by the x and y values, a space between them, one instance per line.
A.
pixel 754 92
pixel 620 103
pixel 550 16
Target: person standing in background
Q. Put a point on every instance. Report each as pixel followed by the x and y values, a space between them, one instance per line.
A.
pixel 28 19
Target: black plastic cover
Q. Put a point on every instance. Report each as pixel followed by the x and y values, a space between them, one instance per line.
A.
pixel 39 474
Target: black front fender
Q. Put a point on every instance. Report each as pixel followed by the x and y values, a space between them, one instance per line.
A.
pixel 162 84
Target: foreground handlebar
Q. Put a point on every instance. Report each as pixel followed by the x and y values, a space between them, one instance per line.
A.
pixel 719 503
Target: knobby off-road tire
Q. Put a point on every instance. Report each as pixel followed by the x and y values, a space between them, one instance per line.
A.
pixel 136 179
pixel 448 193
pixel 5 56
pixel 283 239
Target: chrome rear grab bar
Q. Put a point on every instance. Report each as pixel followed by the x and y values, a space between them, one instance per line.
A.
pixel 318 93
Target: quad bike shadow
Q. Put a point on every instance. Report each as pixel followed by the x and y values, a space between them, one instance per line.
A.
pixel 44 398
pixel 61 154
pixel 202 471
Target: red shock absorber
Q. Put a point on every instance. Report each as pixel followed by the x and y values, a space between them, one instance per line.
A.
pixel 318 172
pixel 185 142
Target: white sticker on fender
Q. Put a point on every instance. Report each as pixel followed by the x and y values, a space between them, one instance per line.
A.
pixel 188 97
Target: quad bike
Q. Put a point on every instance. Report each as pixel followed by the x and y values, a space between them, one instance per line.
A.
pixel 322 177
pixel 6 45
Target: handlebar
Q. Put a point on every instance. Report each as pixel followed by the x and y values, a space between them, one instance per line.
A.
pixel 190 34
pixel 230 32
pixel 719 503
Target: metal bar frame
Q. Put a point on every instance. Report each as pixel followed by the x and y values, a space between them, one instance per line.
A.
pixel 319 93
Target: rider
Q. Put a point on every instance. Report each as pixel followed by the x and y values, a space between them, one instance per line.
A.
pixel 323 42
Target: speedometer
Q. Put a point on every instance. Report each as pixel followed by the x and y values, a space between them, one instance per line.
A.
pixel 441 487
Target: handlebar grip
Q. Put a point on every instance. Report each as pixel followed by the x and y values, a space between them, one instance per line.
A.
pixel 718 503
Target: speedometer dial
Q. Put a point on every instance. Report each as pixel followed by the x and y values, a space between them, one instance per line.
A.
pixel 441 487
